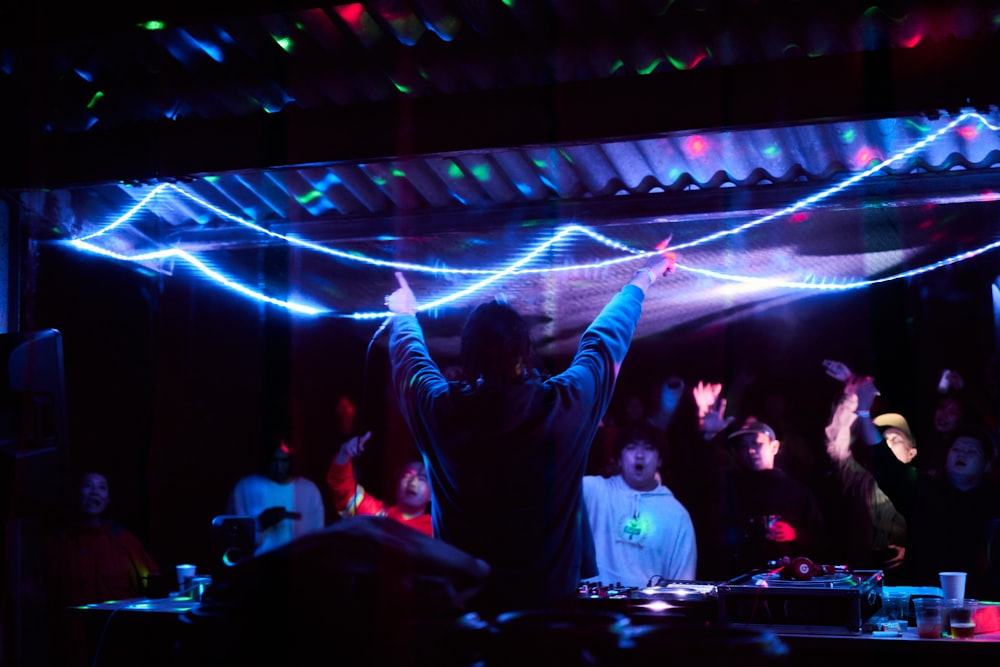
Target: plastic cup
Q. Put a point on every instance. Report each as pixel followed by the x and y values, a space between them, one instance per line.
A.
pixel 962 618
pixel 928 613
pixel 895 607
pixel 185 577
pixel 952 585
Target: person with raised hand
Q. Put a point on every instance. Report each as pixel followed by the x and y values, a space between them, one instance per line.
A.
pixel 506 449
pixel 350 498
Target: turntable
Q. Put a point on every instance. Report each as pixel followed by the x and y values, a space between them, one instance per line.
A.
pixel 833 601
pixel 689 600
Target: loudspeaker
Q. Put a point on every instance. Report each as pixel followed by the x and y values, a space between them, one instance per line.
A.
pixel 233 540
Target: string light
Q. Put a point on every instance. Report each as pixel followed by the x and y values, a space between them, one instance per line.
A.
pixel 487 277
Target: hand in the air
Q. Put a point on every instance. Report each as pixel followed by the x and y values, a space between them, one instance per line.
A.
pixel 663 262
pixel 352 447
pixel 837 370
pixel 402 301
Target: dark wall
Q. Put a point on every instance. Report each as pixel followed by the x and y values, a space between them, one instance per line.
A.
pixel 171 380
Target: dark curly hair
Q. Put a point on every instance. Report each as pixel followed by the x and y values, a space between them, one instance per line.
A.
pixel 496 344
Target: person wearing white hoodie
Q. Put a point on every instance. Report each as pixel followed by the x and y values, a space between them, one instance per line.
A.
pixel 643 535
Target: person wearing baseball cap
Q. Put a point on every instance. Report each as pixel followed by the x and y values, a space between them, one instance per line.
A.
pixel 768 513
pixel 897 435
pixel 874 534
pixel 948 518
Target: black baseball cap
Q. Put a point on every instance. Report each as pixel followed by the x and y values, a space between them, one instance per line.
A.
pixel 753 428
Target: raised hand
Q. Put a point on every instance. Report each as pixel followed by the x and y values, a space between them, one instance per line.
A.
pixel 352 447
pixel 706 395
pixel 711 408
pixel 402 301
pixel 665 262
pixel 837 370
pixel 866 391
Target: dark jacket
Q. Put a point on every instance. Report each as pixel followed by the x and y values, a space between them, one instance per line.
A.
pixel 948 528
pixel 752 494
pixel 505 459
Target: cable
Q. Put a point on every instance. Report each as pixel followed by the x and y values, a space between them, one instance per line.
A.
pixel 363 403
pixel 99 645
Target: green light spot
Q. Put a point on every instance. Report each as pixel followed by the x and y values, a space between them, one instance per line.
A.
pixel 648 69
pixel 95 99
pixel 618 64
pixel 398 173
pixel 379 180
pixel 481 173
pixel 566 156
pixel 312 195
pixel 401 88
pixel 848 136
pixel 540 163
pixel 153 25
pixel 284 42
pixel 678 64
pixel 772 151
pixel 454 171
pixel 509 3
pixel 917 126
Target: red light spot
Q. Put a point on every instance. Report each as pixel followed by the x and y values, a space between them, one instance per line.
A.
pixel 865 155
pixel 697 145
pixel 801 216
pixel 968 132
pixel 926 224
pixel 352 14
pixel 697 59
pixel 909 43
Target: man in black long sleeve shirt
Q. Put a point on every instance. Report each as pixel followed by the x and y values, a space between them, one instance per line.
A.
pixel 948 518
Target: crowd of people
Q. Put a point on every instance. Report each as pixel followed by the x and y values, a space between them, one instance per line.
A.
pixel 532 473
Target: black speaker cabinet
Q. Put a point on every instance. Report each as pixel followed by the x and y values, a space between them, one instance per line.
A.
pixel 232 540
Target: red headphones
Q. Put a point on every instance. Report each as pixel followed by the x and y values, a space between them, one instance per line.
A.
pixel 803 569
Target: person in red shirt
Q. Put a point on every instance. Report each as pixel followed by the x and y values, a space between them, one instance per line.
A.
pixel 413 493
pixel 94 558
pixel 91 558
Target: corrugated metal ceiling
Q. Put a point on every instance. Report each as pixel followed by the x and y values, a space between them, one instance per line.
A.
pixel 420 130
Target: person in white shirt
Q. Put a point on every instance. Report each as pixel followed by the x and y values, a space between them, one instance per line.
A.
pixel 642 534
pixel 286 506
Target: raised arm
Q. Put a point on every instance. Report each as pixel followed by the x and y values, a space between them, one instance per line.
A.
pixel 349 497
pixel 838 430
pixel 711 409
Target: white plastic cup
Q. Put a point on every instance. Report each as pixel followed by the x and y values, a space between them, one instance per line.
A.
pixel 185 577
pixel 952 585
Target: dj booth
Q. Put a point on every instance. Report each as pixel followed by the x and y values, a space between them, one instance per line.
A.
pixel 782 623
pixel 374 592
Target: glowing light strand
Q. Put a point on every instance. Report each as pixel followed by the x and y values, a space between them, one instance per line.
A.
pixel 519 267
pixel 204 268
